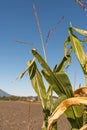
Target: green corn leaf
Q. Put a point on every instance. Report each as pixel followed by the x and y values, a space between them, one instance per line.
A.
pixel 57 85
pixel 62 77
pixel 75 116
pixel 26 70
pixel 60 83
pixel 54 83
pixel 77 47
pixel 37 83
pixel 49 91
pixel 49 97
pixel 80 31
pixel 65 48
pixel 66 60
pixel 47 69
pixel 36 80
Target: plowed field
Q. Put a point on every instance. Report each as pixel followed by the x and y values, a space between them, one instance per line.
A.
pixel 22 116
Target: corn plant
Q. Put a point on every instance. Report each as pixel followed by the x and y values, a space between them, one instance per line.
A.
pixel 59 82
pixel 54 78
pixel 74 104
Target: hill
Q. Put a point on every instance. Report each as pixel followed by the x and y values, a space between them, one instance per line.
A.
pixel 4 94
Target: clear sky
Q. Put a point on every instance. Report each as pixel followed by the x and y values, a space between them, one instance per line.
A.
pixel 17 22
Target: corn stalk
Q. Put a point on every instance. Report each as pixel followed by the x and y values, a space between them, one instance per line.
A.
pixel 58 82
pixel 55 83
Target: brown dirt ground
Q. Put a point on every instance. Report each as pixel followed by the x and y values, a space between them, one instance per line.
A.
pixel 15 116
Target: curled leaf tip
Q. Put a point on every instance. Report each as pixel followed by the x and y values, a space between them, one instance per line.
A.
pixel 63 107
pixel 80 92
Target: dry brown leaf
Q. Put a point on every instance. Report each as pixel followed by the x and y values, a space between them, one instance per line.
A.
pixel 84 127
pixel 63 107
pixel 80 92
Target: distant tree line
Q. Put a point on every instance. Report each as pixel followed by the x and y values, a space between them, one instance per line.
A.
pixel 14 98
pixel 18 98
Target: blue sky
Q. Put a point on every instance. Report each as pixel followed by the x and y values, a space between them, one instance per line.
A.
pixel 17 22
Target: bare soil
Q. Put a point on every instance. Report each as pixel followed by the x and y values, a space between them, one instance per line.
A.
pixel 25 116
